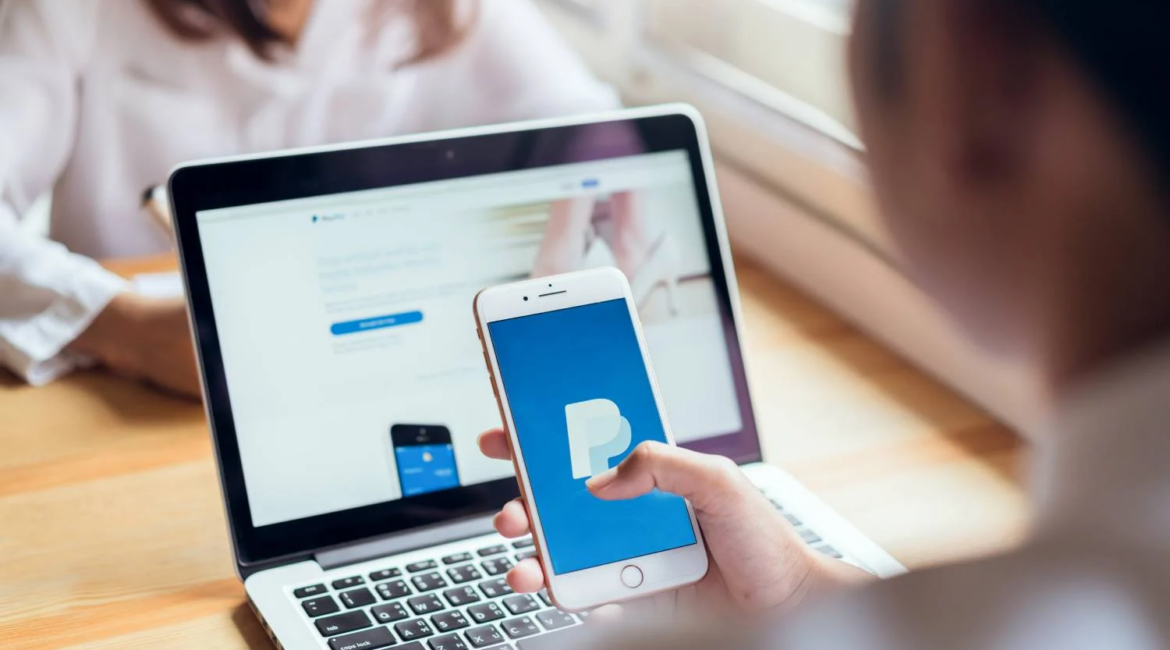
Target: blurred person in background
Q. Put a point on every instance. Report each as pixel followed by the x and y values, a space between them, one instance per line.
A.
pixel 100 99
pixel 1020 152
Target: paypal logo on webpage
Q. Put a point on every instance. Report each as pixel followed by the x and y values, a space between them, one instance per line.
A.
pixel 597 433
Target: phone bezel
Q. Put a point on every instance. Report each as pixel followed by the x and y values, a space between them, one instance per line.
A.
pixel 586 588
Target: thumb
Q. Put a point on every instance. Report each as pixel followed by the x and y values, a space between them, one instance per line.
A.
pixel 702 479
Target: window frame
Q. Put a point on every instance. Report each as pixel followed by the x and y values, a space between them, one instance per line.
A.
pixel 760 131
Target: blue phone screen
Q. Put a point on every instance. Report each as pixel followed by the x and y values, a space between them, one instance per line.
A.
pixel 426 468
pixel 581 401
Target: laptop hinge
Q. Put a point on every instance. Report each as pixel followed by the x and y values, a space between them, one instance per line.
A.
pixel 404 542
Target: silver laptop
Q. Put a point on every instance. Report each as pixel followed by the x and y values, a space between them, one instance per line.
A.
pixel 330 292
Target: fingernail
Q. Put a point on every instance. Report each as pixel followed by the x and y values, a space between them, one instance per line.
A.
pixel 602 480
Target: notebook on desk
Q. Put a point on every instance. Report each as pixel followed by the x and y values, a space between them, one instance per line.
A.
pixel 330 294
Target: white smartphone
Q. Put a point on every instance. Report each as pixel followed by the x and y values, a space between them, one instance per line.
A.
pixel 577 394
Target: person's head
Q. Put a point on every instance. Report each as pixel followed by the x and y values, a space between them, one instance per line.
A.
pixel 1020 151
pixel 439 24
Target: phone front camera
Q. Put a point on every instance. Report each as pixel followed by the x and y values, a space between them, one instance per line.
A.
pixel 525 298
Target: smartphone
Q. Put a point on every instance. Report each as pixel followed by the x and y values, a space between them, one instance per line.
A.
pixel 425 458
pixel 577 394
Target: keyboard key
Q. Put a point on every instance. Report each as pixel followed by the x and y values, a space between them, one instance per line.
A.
pixel 461 596
pixel 417 645
pixel 447 642
pixel 497 565
pixel 415 567
pixel 792 520
pixel 346 583
pixel 342 623
pixel 492 550
pixel 428 581
pixel 457 558
pixel 518 628
pixel 544 597
pixel 524 555
pixel 320 606
pixel 521 604
pixel 552 619
pixel 830 551
pixel 810 537
pixel 482 637
pixel 392 590
pixel 495 588
pixel 378 637
pixel 523 543
pixel 385 574
pixel 448 621
pixel 413 629
pixel 425 604
pixel 486 612
pixel 357 598
pixel 465 573
pixel 390 613
pixel 311 590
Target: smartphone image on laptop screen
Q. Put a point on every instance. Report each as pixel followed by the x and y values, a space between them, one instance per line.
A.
pixel 425 458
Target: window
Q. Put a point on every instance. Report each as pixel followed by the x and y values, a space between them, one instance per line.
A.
pixel 787 55
pixel 769 75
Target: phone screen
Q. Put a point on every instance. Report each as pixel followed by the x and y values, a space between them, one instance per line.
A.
pixel 581 401
pixel 425 458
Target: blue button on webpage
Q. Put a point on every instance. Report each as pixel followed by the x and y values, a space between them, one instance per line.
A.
pixel 376 323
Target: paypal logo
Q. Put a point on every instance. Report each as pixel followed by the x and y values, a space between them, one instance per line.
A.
pixel 597 433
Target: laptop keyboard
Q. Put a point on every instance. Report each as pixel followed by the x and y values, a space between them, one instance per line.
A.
pixel 455 602
pixel 807 534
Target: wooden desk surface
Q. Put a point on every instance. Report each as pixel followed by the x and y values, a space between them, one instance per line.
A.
pixel 112 533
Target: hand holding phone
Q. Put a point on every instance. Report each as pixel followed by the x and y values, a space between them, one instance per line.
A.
pixel 758 561
pixel 576 392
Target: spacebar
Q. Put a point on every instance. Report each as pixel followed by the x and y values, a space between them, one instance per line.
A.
pixel 567 639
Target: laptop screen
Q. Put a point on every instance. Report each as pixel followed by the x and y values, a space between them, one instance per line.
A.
pixel 347 337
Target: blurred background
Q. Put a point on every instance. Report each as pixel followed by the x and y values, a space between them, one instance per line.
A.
pixel 770 77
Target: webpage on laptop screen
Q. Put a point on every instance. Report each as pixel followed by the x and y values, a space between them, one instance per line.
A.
pixel 342 317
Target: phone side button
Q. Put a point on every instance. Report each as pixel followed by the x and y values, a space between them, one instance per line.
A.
pixel 632 576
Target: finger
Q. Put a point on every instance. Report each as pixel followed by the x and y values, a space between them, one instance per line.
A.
pixel 526 577
pixel 624 206
pixel 707 481
pixel 494 444
pixel 512 520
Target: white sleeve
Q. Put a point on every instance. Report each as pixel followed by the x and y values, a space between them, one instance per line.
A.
pixel 518 67
pixel 47 295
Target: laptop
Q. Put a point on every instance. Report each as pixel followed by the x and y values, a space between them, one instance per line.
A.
pixel 330 295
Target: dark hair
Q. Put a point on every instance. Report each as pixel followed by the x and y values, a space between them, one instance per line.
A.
pixel 1124 45
pixel 439 25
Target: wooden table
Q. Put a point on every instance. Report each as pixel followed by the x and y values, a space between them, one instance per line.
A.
pixel 112 532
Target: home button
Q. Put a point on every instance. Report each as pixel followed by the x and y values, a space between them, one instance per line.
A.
pixel 632 577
